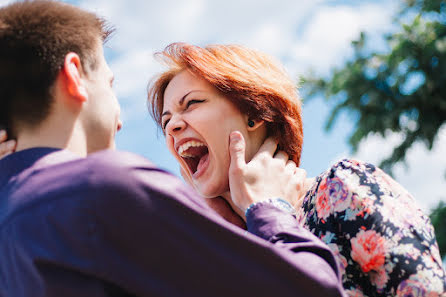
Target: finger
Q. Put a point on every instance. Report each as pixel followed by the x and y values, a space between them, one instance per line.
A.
pixel 3 135
pixel 301 172
pixel 299 176
pixel 268 147
pixel 291 166
pixel 237 150
pixel 281 155
pixel 7 147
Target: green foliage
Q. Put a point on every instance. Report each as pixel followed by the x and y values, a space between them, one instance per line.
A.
pixel 403 90
pixel 423 5
pixel 438 218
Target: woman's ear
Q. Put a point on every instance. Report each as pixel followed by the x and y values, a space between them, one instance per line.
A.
pixel 73 74
pixel 254 124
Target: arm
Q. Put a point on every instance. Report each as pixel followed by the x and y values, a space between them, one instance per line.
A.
pixel 154 237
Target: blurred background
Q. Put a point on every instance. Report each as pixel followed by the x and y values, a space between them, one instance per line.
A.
pixel 372 76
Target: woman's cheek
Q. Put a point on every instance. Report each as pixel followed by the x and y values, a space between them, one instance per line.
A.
pixel 170 145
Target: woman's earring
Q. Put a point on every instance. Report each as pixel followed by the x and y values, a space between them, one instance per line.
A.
pixel 251 123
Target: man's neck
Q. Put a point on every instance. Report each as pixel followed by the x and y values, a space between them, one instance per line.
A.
pixel 54 136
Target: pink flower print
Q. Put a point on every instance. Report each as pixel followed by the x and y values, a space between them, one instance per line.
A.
pixel 411 288
pixel 339 194
pixel 354 293
pixel 342 261
pixel 379 278
pixel 323 204
pixel 393 185
pixel 368 250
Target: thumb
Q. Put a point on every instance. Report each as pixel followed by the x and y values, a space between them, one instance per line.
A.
pixel 237 150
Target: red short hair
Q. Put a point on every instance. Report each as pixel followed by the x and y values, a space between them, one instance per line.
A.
pixel 256 83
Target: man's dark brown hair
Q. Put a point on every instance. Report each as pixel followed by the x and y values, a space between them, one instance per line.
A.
pixel 35 37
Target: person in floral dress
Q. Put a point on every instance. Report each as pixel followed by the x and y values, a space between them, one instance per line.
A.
pixel 384 243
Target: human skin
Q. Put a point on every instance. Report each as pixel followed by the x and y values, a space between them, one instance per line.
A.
pixel 84 116
pixel 195 111
pixel 93 128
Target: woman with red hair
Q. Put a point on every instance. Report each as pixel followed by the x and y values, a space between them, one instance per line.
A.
pixel 385 245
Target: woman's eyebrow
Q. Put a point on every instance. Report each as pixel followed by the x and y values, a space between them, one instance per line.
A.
pixel 179 102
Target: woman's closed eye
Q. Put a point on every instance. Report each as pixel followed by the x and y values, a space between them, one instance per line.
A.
pixel 188 104
pixel 193 101
pixel 164 125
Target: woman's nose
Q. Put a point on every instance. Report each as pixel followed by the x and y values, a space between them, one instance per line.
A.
pixel 175 125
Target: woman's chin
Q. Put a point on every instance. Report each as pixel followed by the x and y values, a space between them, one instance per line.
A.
pixel 210 190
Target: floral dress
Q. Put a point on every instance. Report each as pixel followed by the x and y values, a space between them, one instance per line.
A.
pixel 385 245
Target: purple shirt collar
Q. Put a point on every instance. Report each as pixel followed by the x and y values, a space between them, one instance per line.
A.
pixel 34 157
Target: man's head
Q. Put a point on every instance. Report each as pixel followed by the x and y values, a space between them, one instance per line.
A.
pixel 49 49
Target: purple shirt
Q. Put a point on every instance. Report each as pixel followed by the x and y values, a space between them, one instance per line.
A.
pixel 113 224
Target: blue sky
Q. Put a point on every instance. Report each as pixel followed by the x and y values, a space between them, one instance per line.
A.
pixel 305 35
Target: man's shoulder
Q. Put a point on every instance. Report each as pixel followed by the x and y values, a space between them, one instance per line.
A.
pixel 105 171
pixel 102 179
pixel 118 159
pixel 117 169
pixel 102 168
pixel 122 183
pixel 125 172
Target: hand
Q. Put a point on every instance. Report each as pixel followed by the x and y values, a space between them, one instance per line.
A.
pixel 265 176
pixel 6 146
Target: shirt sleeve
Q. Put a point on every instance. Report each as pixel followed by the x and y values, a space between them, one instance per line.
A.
pixel 384 242
pixel 153 237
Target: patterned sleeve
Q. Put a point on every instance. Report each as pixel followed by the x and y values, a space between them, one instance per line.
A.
pixel 386 246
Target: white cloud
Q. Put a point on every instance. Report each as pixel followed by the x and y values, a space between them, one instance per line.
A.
pixel 306 34
pixel 283 29
pixel 145 27
pixel 132 70
pixel 149 26
pixel 376 148
pixel 328 35
pixel 303 34
pixel 155 24
pixel 424 175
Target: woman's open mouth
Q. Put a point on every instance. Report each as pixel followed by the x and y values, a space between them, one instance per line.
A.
pixel 196 156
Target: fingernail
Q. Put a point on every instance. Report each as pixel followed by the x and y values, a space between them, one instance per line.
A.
pixel 2 133
pixel 235 135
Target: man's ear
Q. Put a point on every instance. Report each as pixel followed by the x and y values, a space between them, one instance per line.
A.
pixel 73 73
pixel 253 125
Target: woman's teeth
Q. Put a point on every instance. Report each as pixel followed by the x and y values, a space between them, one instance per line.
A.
pixel 182 150
pixel 193 153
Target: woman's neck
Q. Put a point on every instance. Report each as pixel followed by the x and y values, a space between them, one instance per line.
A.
pixel 228 198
